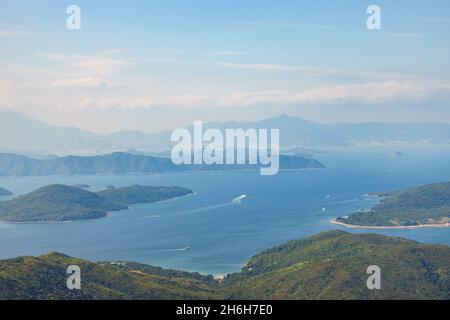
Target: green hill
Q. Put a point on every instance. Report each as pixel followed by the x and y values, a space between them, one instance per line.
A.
pixel 45 277
pixel 333 265
pixel 330 265
pixel 425 205
pixel 66 203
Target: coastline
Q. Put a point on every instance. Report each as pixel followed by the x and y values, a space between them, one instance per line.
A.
pixel 353 226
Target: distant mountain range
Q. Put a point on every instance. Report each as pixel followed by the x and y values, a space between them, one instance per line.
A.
pixel 119 162
pixel 20 133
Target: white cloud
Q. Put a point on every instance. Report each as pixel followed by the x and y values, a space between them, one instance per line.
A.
pixel 266 24
pixel 113 51
pixel 59 57
pixel 184 101
pixel 433 19
pixel 275 67
pixel 305 71
pixel 245 99
pixel 229 53
pixel 405 35
pixel 15 34
pixel 98 65
pixel 326 27
pixel 88 82
pixel 27 86
pixel 363 93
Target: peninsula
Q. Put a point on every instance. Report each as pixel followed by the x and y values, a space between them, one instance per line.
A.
pixel 424 206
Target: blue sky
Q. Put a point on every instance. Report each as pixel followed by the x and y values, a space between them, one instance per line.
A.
pixel 154 65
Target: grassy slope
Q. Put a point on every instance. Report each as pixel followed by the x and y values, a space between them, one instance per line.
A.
pixel 330 265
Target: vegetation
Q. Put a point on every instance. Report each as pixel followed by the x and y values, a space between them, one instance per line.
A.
pixel 66 203
pixel 141 194
pixel 4 192
pixel 330 265
pixel 56 203
pixel 45 278
pixel 333 265
pixel 429 204
pixel 16 165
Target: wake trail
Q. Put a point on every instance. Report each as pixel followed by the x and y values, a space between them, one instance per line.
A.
pixel 191 211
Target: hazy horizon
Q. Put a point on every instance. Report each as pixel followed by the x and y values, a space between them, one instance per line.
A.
pixel 155 66
pixel 20 114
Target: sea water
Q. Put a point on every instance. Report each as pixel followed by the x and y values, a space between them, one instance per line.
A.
pixel 208 232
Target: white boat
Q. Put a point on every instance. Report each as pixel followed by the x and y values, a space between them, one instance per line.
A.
pixel 239 199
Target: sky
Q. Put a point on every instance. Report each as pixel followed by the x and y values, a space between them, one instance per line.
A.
pixel 161 64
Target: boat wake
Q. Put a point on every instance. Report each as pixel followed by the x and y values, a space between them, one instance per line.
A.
pixel 151 217
pixel 239 199
pixel 198 210
pixel 178 249
pixel 167 250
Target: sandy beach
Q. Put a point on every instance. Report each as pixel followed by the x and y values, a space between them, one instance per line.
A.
pixel 351 226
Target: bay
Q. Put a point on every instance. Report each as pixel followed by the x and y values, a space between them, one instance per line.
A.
pixel 208 232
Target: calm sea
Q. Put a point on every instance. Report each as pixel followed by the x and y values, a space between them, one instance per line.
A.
pixel 209 233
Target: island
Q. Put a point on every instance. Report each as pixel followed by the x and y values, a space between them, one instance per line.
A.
pixel 330 265
pixel 124 163
pixel 424 206
pixel 4 192
pixel 58 203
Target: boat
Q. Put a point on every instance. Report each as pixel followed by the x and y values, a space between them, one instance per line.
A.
pixel 239 199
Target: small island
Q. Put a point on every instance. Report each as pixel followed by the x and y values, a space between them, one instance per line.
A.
pixel 425 206
pixel 4 192
pixel 59 203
